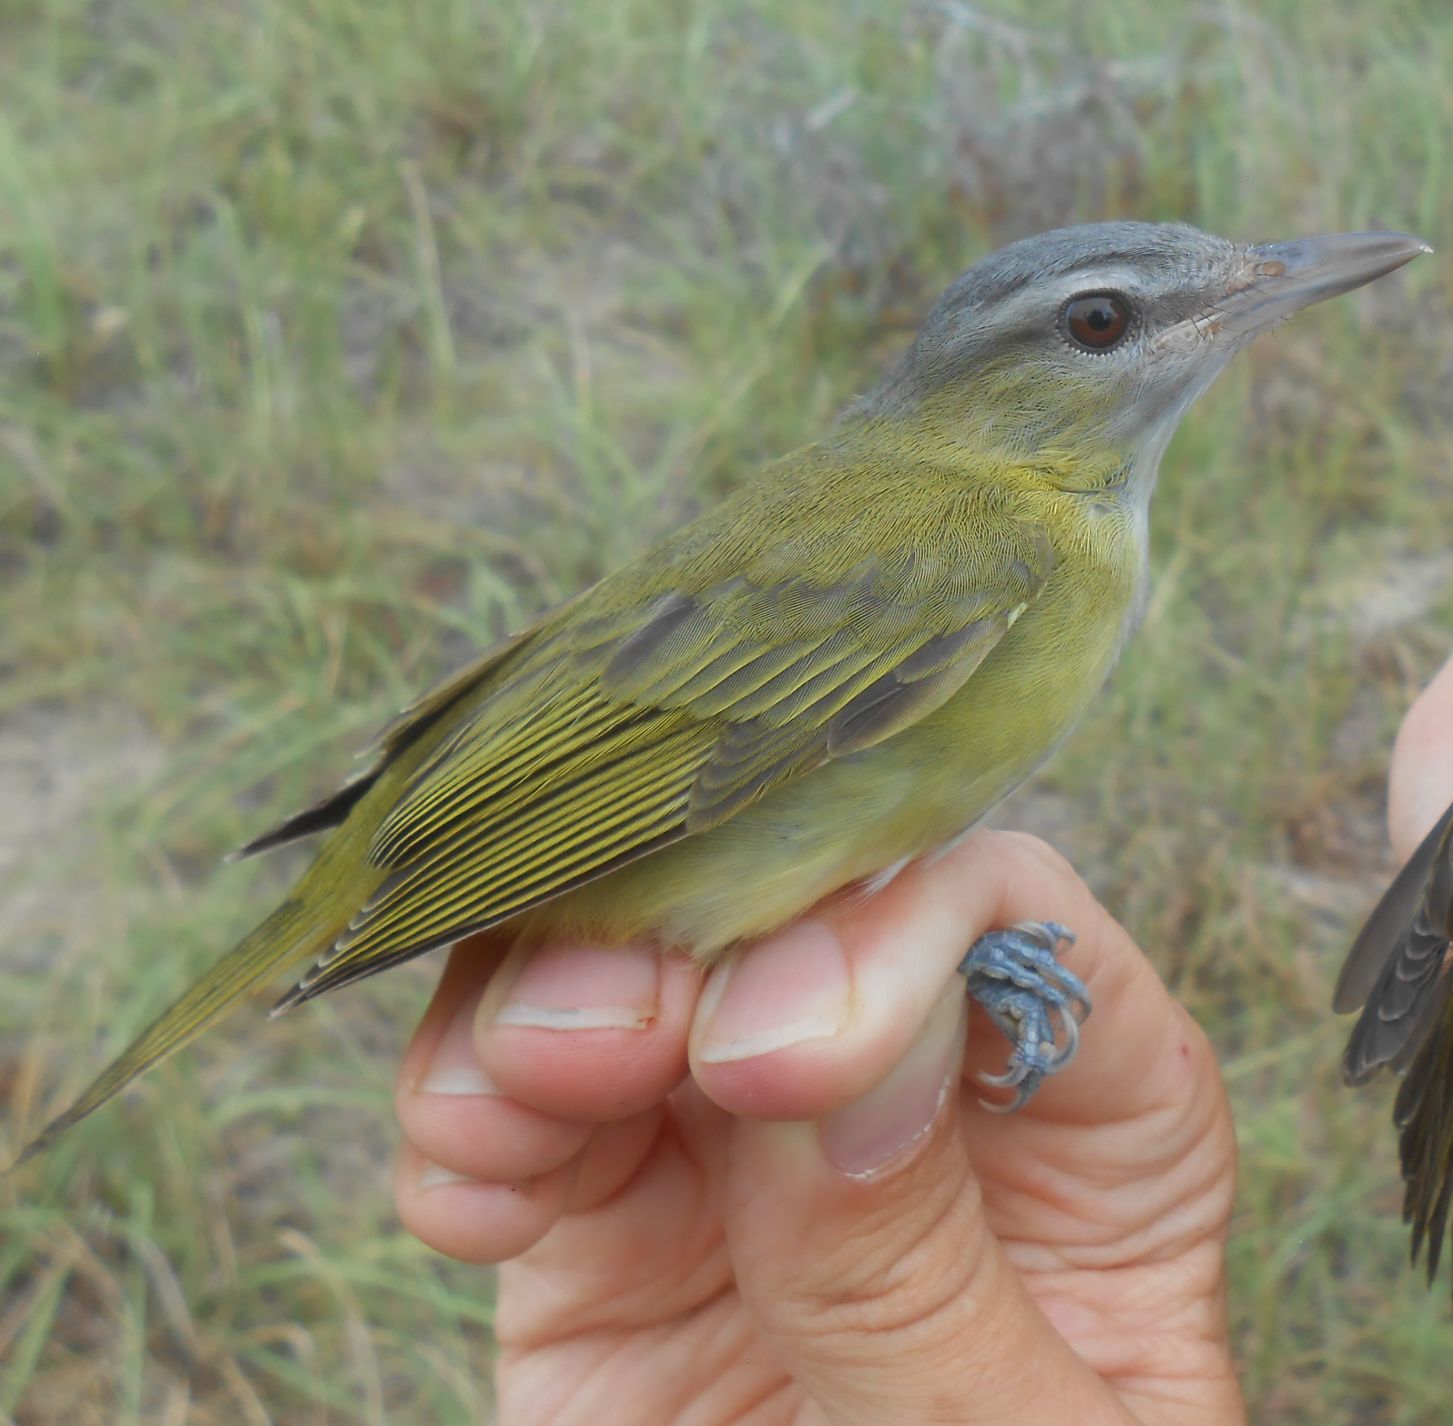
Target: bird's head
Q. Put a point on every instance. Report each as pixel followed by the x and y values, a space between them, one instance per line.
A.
pixel 1080 349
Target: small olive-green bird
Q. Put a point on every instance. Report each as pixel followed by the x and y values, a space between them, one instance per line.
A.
pixel 842 667
pixel 1398 973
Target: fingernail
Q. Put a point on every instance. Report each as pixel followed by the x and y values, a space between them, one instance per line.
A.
pixel 792 987
pixel 585 988
pixel 874 1133
pixel 437 1176
pixel 455 1067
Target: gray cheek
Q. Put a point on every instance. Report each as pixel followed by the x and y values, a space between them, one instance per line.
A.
pixel 1177 370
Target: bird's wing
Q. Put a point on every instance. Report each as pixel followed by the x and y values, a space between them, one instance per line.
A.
pixel 1376 943
pixel 1399 966
pixel 1411 991
pixel 1423 1113
pixel 616 735
pixel 1424 1107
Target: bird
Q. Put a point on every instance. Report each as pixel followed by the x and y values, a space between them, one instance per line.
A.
pixel 843 666
pixel 1398 974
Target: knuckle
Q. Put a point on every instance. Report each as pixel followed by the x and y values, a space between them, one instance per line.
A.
pixel 1046 859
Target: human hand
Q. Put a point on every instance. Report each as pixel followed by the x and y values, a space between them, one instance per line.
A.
pixel 830 1230
pixel 1421 784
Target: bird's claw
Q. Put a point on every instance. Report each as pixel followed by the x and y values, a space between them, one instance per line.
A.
pixel 1016 976
pixel 1012 1076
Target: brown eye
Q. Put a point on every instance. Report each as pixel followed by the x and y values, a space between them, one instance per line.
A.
pixel 1097 322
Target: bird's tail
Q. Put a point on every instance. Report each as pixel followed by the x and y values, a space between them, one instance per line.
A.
pixel 292 933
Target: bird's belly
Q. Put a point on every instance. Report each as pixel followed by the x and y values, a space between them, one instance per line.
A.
pixel 854 817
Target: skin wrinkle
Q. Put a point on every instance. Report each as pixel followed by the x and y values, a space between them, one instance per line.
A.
pixel 699 1282
pixel 975 1286
pixel 713 1341
pixel 585 1389
pixel 1182 1228
pixel 1168 1327
pixel 624 1181
pixel 756 1409
pixel 930 1333
pixel 861 1298
pixel 1174 1229
pixel 1147 1297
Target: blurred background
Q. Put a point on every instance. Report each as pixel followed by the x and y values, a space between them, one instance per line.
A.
pixel 336 337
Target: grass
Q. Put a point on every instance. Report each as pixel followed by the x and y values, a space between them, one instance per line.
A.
pixel 337 337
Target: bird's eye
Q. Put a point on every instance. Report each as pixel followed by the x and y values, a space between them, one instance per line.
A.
pixel 1097 321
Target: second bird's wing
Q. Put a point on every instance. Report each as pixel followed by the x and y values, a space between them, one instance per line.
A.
pixel 617 734
pixel 1407 1024
pixel 1393 966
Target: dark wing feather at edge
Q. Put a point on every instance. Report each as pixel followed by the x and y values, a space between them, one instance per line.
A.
pixel 1408 1023
pixel 1368 959
pixel 1394 965
pixel 399 733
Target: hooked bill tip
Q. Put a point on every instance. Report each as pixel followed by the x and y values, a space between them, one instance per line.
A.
pixel 1285 277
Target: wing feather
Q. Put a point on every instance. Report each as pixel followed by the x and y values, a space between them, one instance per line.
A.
pixel 472 779
pixel 614 736
pixel 571 813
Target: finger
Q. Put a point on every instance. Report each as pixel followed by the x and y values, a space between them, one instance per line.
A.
pixel 452 1113
pixel 481 1177
pixel 484 1176
pixel 473 1221
pixel 634 1250
pixel 810 1019
pixel 881 1288
pixel 586 1033
pixel 1421 782
pixel 481 1221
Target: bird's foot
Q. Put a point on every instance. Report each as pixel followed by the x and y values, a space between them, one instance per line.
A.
pixel 1016 976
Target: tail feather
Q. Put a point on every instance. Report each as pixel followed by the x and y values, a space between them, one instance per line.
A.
pixel 290 934
pixel 1424 1115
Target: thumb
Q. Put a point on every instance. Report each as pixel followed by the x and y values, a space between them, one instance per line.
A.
pixel 862 1251
pixel 1421 785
